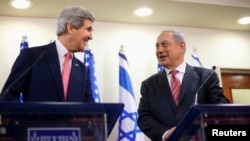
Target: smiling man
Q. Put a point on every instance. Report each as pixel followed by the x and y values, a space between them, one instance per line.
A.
pixel 167 95
pixel 51 72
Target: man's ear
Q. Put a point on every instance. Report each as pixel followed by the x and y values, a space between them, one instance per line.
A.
pixel 70 28
pixel 183 46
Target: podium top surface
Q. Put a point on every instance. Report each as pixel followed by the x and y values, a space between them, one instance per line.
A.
pixel 211 114
pixel 112 110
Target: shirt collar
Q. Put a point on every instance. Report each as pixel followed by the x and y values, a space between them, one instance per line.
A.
pixel 181 68
pixel 61 49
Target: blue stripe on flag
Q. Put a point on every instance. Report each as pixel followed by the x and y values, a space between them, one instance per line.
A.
pixel 159 67
pixel 196 60
pixel 125 82
pixel 24 44
pixel 123 56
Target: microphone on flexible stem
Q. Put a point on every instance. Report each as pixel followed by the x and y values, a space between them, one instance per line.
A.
pixel 198 90
pixel 4 92
pixel 214 68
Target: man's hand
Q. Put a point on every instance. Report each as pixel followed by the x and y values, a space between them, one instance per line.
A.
pixel 169 133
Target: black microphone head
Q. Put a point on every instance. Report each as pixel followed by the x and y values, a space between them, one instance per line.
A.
pixel 214 67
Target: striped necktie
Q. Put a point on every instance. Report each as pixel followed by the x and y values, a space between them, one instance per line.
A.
pixel 175 86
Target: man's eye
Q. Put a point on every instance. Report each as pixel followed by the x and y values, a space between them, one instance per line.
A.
pixel 157 45
pixel 90 29
pixel 164 44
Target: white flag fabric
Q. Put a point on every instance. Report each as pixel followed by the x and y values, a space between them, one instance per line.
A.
pixel 128 128
pixel 196 60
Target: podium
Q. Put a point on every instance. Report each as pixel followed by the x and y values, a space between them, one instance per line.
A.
pixel 57 121
pixel 212 122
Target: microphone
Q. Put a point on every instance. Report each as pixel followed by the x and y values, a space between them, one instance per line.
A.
pixel 4 92
pixel 214 67
pixel 198 90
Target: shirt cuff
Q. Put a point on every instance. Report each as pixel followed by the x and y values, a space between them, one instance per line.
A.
pixel 164 135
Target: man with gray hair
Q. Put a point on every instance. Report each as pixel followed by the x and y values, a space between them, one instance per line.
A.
pixel 51 72
pixel 167 95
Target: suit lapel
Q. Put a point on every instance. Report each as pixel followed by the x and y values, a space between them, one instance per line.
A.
pixel 74 76
pixel 187 82
pixel 165 89
pixel 54 66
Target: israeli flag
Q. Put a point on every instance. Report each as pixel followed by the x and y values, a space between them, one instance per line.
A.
pixel 196 60
pixel 128 129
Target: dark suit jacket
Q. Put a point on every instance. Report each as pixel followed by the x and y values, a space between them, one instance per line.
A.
pixel 43 82
pixel 157 110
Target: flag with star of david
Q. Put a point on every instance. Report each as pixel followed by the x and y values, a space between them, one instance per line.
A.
pixel 90 64
pixel 128 128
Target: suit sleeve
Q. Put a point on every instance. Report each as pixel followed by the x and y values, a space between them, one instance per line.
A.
pixel 152 128
pixel 17 80
pixel 215 93
pixel 88 95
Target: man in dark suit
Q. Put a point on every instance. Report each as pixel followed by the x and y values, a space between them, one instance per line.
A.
pixel 158 111
pixel 37 71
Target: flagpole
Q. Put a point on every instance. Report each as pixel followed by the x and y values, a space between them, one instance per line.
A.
pixel 122 48
pixel 24 37
pixel 195 50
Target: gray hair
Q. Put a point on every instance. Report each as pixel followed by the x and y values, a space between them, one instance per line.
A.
pixel 73 15
pixel 177 36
